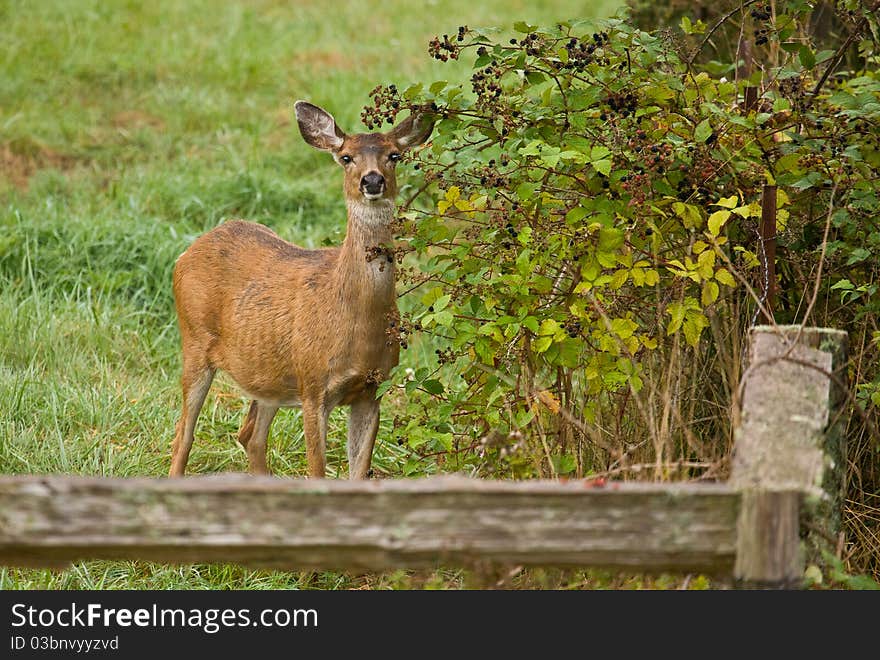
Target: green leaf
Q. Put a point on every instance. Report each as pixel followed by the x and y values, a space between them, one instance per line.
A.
pixel 599 152
pixel 531 323
pixel 686 25
pixel 444 319
pixel 806 56
pixel 412 91
pixel 542 344
pixel 441 302
pixel 433 386
pixel 525 28
pixel 602 166
pixel 857 255
pixel 525 191
pixel 610 238
pixel 703 131
pixel 565 464
pixel 576 214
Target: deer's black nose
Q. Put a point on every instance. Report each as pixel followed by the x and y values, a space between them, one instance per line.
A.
pixel 373 183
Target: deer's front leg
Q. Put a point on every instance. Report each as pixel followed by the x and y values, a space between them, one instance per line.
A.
pixel 256 442
pixel 315 429
pixel 363 424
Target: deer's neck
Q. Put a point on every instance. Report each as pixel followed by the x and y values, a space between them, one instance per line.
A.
pixel 365 271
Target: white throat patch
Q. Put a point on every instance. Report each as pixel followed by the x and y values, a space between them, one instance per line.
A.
pixel 373 214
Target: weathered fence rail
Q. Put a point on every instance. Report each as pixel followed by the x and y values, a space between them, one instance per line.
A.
pixel 788 450
pixel 368 525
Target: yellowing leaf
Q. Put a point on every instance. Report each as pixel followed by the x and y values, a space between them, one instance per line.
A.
pixel 699 246
pixel 724 276
pixel 716 221
pixel 752 210
pixel 706 259
pixel 619 279
pixel 728 202
pixel 710 293
pixel 693 327
pixel 453 193
pixel 749 257
pixel 689 214
pixel 781 220
pixel 623 328
pixel 676 311
pixel 548 327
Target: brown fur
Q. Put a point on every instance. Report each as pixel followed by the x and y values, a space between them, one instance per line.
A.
pixel 294 326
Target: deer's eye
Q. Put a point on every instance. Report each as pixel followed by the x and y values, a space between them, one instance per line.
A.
pixel 346 159
pixel 394 157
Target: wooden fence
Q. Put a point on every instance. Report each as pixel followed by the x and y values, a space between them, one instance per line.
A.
pixel 782 501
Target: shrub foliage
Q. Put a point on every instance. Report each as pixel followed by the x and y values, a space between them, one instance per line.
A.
pixel 584 252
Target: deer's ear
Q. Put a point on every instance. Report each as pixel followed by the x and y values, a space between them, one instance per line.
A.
pixel 318 127
pixel 413 130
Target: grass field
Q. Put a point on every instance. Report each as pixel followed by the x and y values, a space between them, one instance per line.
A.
pixel 126 130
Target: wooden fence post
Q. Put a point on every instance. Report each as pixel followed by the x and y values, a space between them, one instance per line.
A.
pixel 789 447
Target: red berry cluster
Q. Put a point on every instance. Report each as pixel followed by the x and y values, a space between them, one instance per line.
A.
pixel 761 12
pixel 490 176
pixel 532 42
pixel 655 157
pixel 486 84
pixel 445 356
pixel 386 105
pixel 581 52
pixel 445 50
pixel 793 89
pixel 398 330
pixel 637 185
pixel 623 103
pixel 703 171
pixel 572 327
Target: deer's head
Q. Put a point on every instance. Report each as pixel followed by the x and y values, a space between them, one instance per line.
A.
pixel 368 159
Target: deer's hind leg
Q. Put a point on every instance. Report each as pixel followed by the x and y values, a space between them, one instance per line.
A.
pixel 254 435
pixel 195 383
pixel 247 428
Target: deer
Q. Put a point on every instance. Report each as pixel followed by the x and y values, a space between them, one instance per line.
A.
pixel 297 327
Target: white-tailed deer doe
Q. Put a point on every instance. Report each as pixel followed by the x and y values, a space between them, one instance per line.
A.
pixel 298 327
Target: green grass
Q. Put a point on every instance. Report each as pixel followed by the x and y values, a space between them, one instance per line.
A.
pixel 126 130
